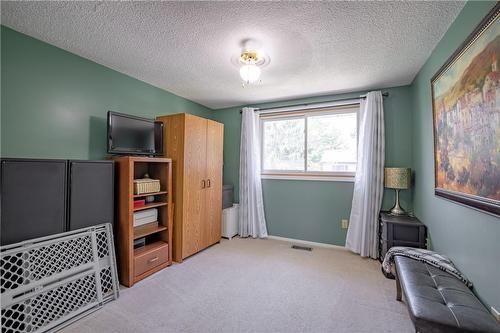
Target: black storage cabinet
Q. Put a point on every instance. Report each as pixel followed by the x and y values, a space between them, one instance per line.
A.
pixel 45 197
pixel 91 188
pixel 33 199
pixel 400 231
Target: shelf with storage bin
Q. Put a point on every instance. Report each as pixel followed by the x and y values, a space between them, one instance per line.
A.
pixel 150 205
pixel 146 230
pixel 149 194
pixel 136 264
pixel 152 247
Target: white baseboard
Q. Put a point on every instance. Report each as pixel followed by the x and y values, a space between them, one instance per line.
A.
pixel 495 313
pixel 299 241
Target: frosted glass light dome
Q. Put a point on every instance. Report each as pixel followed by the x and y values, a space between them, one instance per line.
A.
pixel 250 73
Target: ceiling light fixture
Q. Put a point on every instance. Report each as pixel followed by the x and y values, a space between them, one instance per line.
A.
pixel 250 71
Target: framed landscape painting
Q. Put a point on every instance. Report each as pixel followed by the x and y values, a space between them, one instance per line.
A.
pixel 466 112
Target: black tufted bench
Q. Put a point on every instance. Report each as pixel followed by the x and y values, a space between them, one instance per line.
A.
pixel 439 302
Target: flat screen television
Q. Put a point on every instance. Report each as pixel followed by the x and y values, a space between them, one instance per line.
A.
pixel 131 135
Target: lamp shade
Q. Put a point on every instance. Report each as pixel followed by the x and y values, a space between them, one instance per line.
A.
pixel 397 178
pixel 249 73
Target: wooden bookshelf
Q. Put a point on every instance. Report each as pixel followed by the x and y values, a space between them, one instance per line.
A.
pixel 136 264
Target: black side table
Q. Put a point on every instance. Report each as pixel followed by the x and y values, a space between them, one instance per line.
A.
pixel 400 231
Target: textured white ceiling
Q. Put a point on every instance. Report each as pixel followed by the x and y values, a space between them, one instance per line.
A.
pixel 315 48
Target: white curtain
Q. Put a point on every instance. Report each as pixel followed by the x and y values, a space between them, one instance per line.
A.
pixel 368 185
pixel 252 221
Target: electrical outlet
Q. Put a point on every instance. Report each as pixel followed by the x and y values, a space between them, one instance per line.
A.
pixel 345 223
pixel 495 313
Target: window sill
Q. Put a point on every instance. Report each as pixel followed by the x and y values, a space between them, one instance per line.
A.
pixel 349 179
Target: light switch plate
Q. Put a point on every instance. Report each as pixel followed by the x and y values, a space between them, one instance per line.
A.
pixel 345 223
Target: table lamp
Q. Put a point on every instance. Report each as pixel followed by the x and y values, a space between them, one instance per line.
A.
pixel 398 179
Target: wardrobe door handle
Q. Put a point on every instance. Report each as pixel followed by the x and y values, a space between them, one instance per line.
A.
pixel 208 183
pixel 203 183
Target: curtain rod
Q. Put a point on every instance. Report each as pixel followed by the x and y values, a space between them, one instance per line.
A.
pixel 316 105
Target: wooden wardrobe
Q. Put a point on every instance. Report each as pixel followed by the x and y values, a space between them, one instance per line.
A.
pixel 195 146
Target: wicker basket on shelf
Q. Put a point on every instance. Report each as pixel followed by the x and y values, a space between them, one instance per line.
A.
pixel 146 185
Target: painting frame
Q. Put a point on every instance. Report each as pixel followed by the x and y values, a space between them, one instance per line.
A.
pixel 485 204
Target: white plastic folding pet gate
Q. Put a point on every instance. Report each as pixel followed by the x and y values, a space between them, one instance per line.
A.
pixel 50 282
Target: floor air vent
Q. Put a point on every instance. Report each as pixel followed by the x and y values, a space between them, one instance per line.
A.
pixel 303 248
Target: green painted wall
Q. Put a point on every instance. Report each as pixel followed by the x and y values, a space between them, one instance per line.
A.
pixel 54 103
pixel 312 210
pixel 470 238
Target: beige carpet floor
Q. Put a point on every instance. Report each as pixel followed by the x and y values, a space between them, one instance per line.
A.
pixel 248 285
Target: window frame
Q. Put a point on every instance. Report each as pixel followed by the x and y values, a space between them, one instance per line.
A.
pixel 305 114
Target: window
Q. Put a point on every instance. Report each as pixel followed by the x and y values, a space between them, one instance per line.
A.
pixel 312 144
